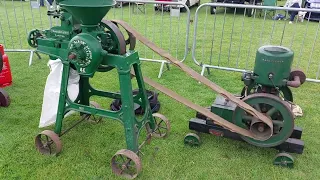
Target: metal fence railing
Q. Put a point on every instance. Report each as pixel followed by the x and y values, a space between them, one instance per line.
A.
pixel 159 22
pixel 167 27
pixel 227 39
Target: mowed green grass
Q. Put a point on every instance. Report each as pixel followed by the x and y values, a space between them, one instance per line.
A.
pixel 88 148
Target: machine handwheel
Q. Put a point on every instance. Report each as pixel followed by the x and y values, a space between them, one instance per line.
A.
pixel 48 143
pixel 274 108
pixel 93 118
pixel 4 98
pixel 126 163
pixel 284 160
pixel 162 125
pixel 32 38
pixel 192 139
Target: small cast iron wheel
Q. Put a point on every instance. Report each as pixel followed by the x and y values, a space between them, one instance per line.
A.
pixel 126 163
pixel 274 108
pixel 149 133
pixel 162 126
pixel 48 143
pixel 4 98
pixel 284 160
pixel 298 72
pixel 285 92
pixel 192 139
pixel 93 118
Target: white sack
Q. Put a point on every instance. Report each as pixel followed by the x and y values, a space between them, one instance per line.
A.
pixel 52 92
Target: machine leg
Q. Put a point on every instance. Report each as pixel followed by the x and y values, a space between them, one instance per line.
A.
pixel 128 116
pixel 62 98
pixel 144 99
pixel 84 91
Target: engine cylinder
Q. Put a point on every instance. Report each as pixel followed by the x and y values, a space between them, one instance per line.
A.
pixel 273 65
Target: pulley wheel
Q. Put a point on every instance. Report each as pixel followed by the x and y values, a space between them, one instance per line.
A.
pixel 131 41
pixel 192 139
pixel 285 91
pixel 126 163
pixel 284 160
pixel 162 126
pixel 116 34
pixel 274 108
pixel 48 143
pixel 4 98
pixel 298 72
pixel 93 118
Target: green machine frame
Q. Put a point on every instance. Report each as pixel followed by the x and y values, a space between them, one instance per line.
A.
pixel 88 44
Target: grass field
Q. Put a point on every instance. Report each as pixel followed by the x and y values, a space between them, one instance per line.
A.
pixel 88 148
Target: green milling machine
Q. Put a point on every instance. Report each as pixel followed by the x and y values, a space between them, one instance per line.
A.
pixel 89 44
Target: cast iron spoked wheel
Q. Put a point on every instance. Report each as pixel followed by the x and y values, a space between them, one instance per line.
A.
pixel 93 118
pixel 284 160
pixel 162 126
pixel 126 163
pixel 147 134
pixel 32 39
pixel 274 108
pixel 4 98
pixel 192 139
pixel 284 91
pixel 48 143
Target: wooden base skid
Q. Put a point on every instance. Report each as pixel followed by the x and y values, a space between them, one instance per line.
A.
pixel 294 144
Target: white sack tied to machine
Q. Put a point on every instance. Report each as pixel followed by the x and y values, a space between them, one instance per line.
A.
pixel 52 92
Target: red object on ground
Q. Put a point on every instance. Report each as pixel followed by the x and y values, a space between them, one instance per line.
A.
pixel 5 74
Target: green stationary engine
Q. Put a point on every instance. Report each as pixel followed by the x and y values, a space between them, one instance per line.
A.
pixel 267 90
pixel 89 44
pixel 272 73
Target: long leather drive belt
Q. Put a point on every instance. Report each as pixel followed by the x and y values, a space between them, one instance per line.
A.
pixel 217 119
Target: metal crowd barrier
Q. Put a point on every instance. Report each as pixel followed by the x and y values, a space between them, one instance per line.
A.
pixel 146 16
pixel 170 30
pixel 227 39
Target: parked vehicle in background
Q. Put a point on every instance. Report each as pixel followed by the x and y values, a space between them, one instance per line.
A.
pixel 166 7
pixel 312 4
pixel 249 2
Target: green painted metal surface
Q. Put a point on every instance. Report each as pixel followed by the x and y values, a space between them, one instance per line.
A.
pixel 84 43
pixel 223 108
pixel 273 65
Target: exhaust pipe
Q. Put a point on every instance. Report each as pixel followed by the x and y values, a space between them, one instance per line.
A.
pixel 295 83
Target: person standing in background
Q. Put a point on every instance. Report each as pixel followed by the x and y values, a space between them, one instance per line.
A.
pixel 293 4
